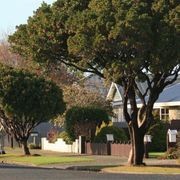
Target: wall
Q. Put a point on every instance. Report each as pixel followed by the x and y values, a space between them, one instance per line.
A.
pixel 60 146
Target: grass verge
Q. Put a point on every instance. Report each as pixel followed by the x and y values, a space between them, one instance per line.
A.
pixel 143 170
pixel 156 154
pixel 42 160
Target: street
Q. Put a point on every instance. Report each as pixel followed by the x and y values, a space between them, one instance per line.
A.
pixel 10 172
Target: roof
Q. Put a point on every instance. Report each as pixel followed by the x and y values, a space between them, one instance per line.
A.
pixel 170 94
pixel 169 97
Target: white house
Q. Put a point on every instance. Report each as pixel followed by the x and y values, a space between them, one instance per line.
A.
pixel 167 106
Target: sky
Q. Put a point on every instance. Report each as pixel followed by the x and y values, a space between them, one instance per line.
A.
pixel 15 12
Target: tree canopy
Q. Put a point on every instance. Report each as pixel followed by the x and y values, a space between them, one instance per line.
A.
pixel 26 100
pixel 84 120
pixel 109 35
pixel 76 95
pixel 126 41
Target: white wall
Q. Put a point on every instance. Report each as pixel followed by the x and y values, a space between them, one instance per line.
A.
pixel 60 146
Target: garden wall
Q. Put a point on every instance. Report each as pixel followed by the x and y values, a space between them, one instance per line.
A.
pixel 60 146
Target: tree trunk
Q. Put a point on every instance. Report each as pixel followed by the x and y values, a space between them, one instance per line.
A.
pixel 137 150
pixel 25 147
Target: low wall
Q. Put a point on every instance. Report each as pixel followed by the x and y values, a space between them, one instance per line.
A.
pixel 60 146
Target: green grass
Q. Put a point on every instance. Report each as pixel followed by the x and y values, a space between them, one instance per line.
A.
pixel 156 154
pixel 144 170
pixel 42 160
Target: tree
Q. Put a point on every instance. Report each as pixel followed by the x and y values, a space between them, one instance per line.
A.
pixel 126 41
pixel 59 74
pixel 76 95
pixel 26 100
pixel 84 120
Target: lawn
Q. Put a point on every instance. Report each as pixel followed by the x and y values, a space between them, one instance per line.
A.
pixel 156 154
pixel 42 160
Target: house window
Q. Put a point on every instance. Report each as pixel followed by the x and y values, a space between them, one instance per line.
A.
pixel 164 114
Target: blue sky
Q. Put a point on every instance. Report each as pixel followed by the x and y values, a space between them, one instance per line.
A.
pixel 15 12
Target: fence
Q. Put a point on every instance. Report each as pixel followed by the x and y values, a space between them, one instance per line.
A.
pixel 89 148
pixel 107 149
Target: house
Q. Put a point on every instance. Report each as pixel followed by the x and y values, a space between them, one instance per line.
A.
pixel 167 107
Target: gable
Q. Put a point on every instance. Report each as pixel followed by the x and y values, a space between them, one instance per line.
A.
pixel 116 96
pixel 114 93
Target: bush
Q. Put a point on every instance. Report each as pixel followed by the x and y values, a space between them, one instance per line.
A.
pixel 52 136
pixel 64 135
pixel 34 146
pixel 170 154
pixel 158 131
pixel 119 134
pixel 84 120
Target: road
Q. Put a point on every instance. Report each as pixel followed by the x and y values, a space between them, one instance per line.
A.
pixel 10 172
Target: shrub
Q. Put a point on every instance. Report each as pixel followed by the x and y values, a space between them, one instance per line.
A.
pixel 52 136
pixel 170 154
pixel 119 134
pixel 158 131
pixel 64 135
pixel 34 146
pixel 84 120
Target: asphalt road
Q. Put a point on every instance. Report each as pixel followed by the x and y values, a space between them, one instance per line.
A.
pixel 9 172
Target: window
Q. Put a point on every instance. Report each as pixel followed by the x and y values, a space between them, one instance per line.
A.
pixel 164 114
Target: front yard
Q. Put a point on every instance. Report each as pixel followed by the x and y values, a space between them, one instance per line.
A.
pixel 40 157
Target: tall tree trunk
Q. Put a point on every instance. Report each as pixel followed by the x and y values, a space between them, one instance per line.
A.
pixel 137 150
pixel 25 147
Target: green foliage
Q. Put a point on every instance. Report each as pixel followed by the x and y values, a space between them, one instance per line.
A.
pixel 64 135
pixel 34 146
pixel 25 101
pixel 158 132
pixel 119 134
pixel 110 35
pixel 77 95
pixel 24 95
pixel 79 119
